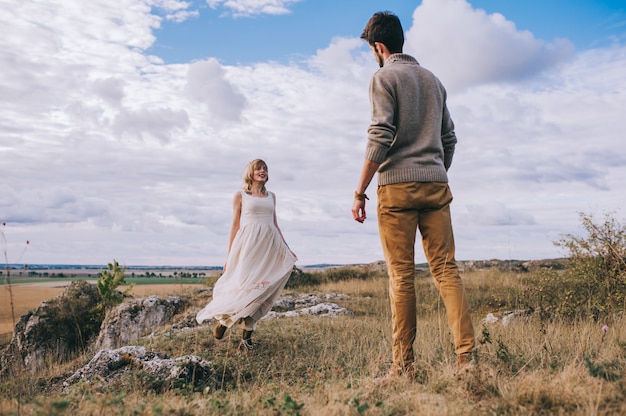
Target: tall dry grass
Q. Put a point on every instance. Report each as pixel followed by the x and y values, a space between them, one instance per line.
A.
pixel 326 366
pixel 5 272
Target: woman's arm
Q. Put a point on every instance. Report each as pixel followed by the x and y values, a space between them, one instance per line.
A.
pixel 234 228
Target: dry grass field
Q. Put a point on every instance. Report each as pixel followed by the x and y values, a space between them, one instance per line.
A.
pixel 326 366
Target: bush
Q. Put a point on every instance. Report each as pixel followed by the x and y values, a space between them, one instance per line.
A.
pixel 301 278
pixel 594 282
pixel 71 320
pixel 107 285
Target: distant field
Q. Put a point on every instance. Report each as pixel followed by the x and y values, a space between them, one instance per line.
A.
pixel 136 280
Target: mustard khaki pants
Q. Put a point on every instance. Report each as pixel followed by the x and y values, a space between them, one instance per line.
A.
pixel 404 208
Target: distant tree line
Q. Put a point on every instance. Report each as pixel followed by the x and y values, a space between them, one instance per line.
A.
pixel 48 275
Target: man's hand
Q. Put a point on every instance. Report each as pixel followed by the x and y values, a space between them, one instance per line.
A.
pixel 358 206
pixel 358 210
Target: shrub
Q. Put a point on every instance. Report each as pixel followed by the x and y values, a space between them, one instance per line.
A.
pixel 107 285
pixel 594 282
pixel 72 319
pixel 300 278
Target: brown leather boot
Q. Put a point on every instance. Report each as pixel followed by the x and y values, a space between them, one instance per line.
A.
pixel 246 341
pixel 219 331
pixel 464 365
pixel 396 374
pixel 463 360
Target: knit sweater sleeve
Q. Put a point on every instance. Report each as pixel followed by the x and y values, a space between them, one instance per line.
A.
pixel 448 138
pixel 382 129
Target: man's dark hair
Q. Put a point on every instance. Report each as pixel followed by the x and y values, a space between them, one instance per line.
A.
pixel 384 27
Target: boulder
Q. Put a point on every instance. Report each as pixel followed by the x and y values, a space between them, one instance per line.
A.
pixel 136 318
pixel 293 305
pixel 505 318
pixel 109 366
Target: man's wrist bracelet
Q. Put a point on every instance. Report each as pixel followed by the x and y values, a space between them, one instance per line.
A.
pixel 360 197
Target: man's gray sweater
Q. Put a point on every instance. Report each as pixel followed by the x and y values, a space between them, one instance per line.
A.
pixel 411 134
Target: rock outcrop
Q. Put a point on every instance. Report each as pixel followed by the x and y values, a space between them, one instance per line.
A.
pixel 136 318
pixel 293 305
pixel 57 329
pixel 109 366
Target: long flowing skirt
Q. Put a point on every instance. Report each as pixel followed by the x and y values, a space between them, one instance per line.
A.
pixel 257 269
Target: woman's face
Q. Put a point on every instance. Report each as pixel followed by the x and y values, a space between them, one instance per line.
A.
pixel 260 173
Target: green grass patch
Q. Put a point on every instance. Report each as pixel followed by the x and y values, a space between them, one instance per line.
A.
pixel 165 280
pixel 26 280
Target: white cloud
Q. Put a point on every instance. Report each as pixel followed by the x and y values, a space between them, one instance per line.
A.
pixel 111 90
pixel 173 10
pixel 171 5
pixel 182 15
pixel 467 47
pixel 343 57
pixel 246 8
pixel 160 123
pixel 498 214
pixel 206 84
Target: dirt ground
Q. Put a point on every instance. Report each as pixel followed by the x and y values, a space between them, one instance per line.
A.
pixel 28 296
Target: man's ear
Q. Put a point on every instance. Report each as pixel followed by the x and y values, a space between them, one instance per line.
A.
pixel 381 48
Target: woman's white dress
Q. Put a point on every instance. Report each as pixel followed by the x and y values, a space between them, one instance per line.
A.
pixel 257 269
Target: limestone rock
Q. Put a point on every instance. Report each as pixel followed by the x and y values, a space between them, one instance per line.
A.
pixel 506 318
pixel 307 304
pixel 136 318
pixel 109 366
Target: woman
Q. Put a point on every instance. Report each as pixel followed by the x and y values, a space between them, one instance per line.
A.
pixel 258 264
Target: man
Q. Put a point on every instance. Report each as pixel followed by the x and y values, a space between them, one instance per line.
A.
pixel 410 144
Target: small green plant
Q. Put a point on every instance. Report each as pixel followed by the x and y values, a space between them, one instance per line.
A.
pixel 360 407
pixel 290 406
pixel 219 404
pixel 609 371
pixel 486 336
pixel 108 283
pixel 503 352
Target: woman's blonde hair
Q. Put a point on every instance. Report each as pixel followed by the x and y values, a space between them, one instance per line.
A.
pixel 248 175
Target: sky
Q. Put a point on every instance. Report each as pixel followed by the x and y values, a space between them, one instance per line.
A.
pixel 125 126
